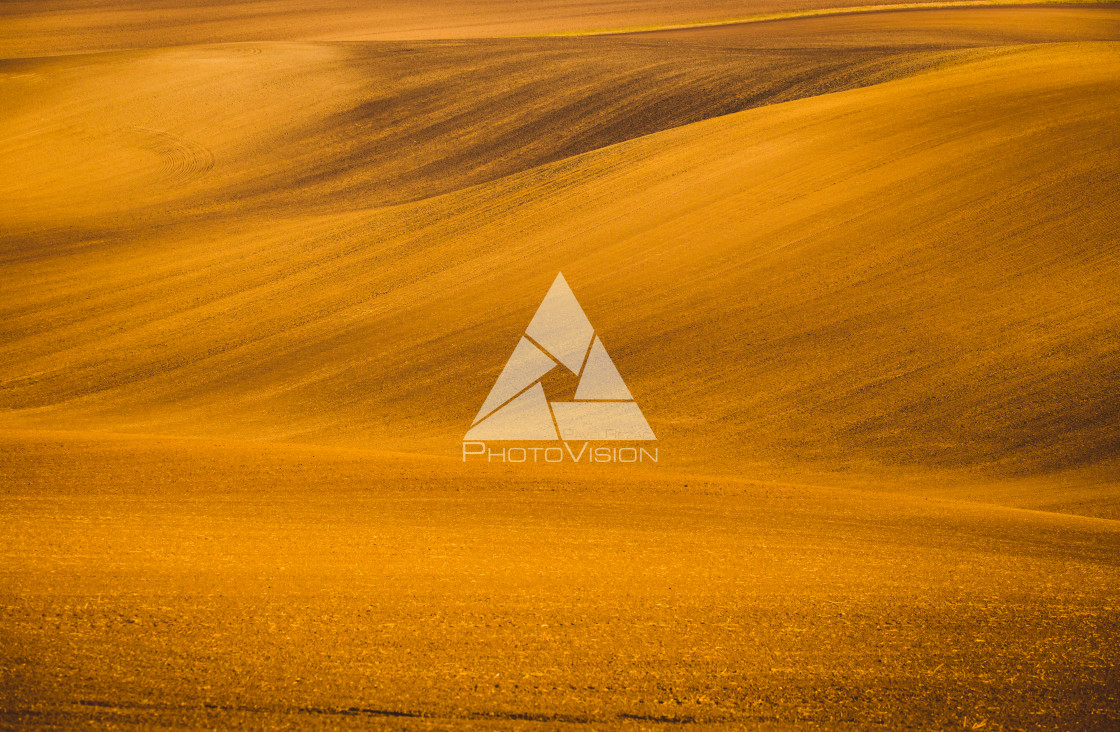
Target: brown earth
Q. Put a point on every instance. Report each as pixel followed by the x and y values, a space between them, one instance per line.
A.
pixel 859 271
pixel 34 28
pixel 197 583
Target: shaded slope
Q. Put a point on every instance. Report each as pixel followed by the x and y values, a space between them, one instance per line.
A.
pixel 894 277
pixel 122 140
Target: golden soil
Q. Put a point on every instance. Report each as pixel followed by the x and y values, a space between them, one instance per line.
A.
pixel 259 271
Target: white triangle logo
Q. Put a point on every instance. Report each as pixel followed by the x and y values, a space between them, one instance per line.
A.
pixel 559 335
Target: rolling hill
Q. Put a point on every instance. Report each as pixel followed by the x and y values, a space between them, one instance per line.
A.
pixel 261 263
pixel 793 259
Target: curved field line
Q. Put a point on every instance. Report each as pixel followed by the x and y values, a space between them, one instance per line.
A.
pixel 819 12
pixel 183 159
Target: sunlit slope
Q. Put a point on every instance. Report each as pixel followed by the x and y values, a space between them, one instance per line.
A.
pixel 915 29
pixel 920 274
pixel 197 583
pixel 30 28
